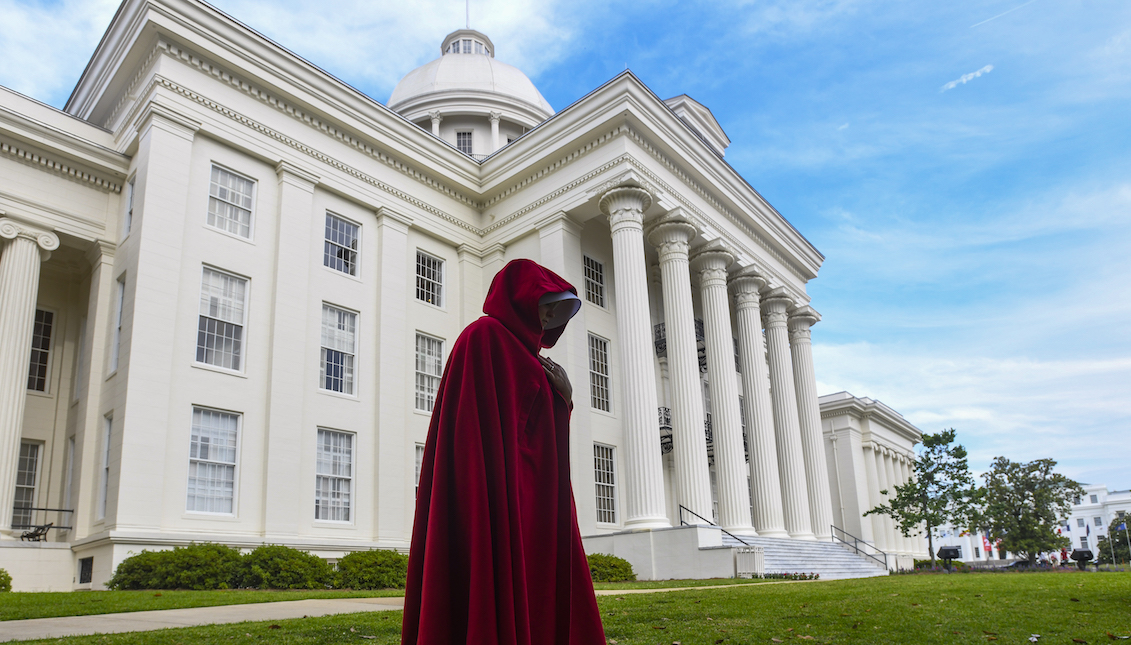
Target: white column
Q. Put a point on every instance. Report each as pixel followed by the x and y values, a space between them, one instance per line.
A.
pixel 26 248
pixel 791 461
pixel 871 459
pixel 904 477
pixel 290 306
pixel 887 532
pixel 809 416
pixel 734 494
pixel 689 442
pixel 393 495
pixel 436 118
pixel 763 466
pixel 893 479
pixel 560 241
pixel 494 117
pixel 644 479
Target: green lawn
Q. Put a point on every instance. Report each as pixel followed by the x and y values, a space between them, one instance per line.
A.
pixel 16 606
pixel 668 584
pixel 975 608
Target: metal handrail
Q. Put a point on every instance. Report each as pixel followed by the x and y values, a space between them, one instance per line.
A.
pixel 855 544
pixel 49 510
pixel 683 508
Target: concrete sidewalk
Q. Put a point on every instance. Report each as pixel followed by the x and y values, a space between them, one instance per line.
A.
pixel 141 621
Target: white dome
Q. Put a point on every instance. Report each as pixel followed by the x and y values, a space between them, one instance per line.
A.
pixel 469 83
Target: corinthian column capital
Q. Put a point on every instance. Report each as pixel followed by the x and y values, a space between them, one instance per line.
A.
pixel 775 307
pixel 801 319
pixel 672 236
pixel 711 261
pixel 747 285
pixel 46 240
pixel 625 206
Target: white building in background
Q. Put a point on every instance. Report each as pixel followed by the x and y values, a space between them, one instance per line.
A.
pixel 239 279
pixel 1092 515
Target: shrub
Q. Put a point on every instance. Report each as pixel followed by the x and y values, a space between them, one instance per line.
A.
pixel 609 568
pixel 196 566
pixel 5 581
pixel 372 570
pixel 280 567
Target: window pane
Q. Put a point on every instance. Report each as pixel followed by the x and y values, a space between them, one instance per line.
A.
pixel 429 369
pixel 220 328
pixel 212 461
pixel 463 142
pixel 599 373
pixel 429 279
pixel 341 245
pixel 605 478
pixel 40 351
pixel 339 333
pixel 229 202
pixel 594 281
pixel 334 471
pixel 26 470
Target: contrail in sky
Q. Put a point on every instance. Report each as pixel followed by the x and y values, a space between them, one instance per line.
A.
pixel 1002 14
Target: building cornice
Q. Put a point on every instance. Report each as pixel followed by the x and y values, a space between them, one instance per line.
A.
pixel 873 411
pixel 58 167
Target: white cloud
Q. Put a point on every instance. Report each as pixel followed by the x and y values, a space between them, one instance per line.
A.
pixel 1018 407
pixel 966 78
pixel 44 47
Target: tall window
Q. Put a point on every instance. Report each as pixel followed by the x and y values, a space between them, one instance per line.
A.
pixel 604 474
pixel 594 281
pixel 419 465
pixel 1094 499
pixel 341 245
pixel 104 483
pixel 334 480
pixel 1080 522
pixel 599 373
pixel 229 202
pixel 129 223
pixel 219 338
pixel 463 142
pixel 339 334
pixel 212 461
pixel 26 470
pixel 1098 521
pixel 429 368
pixel 121 303
pixel 429 279
pixel 1083 543
pixel 40 351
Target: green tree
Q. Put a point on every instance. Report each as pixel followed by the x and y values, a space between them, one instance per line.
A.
pixel 940 490
pixel 1115 542
pixel 1023 503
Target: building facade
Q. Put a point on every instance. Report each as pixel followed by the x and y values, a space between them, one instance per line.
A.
pixel 239 279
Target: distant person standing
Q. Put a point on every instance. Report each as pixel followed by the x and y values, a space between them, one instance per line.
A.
pixel 496 553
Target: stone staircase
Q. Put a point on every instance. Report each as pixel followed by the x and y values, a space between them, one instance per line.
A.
pixel 833 561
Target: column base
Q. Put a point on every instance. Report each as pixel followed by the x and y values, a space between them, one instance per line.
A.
pixel 647 523
pixel 744 531
pixel 803 536
pixel 778 533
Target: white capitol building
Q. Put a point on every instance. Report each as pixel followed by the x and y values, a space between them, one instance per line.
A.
pixel 239 278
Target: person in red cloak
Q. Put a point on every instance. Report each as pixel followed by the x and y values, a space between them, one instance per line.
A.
pixel 496 554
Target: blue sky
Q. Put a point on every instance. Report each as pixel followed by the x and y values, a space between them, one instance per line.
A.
pixel 965 167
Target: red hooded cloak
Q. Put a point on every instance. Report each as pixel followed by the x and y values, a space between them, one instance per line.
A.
pixel 496 553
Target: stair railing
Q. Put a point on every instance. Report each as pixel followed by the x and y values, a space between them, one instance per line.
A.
pixel 859 546
pixel 683 508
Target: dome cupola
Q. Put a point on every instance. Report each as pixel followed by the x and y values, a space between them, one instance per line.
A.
pixel 469 99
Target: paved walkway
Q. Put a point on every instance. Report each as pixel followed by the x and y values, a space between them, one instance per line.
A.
pixel 140 621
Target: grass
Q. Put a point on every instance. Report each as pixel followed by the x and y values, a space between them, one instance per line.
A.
pixel 672 584
pixel 17 606
pixel 897 609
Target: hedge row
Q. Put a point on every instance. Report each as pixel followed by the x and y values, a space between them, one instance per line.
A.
pixel 215 566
